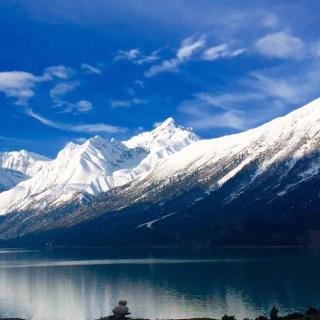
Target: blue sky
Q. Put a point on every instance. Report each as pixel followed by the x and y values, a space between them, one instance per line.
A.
pixel 73 69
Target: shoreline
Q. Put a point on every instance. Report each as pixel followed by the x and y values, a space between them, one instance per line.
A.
pixel 311 314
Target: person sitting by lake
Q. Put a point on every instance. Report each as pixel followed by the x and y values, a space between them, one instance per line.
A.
pixel 121 310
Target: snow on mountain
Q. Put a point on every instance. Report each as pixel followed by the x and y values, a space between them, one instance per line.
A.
pixel 166 134
pixel 171 153
pixel 94 167
pixel 166 139
pixel 283 140
pixel 9 178
pixel 23 161
pixel 17 166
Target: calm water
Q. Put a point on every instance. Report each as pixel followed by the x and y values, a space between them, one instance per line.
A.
pixel 158 283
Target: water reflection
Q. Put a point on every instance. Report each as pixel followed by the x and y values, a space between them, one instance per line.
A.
pixel 82 285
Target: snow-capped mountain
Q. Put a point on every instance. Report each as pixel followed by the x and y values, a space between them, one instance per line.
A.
pixel 285 140
pixel 23 161
pixel 17 166
pixel 167 135
pixel 9 178
pixel 91 168
pixel 259 186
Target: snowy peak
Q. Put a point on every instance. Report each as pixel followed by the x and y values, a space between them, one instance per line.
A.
pixel 166 124
pixel 97 156
pixel 281 145
pixel 166 134
pixel 17 166
pixel 21 161
pixel 95 166
pixel 159 156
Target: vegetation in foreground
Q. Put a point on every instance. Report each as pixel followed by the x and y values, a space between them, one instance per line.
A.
pixel 311 314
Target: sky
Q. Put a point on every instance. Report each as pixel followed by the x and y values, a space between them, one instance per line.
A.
pixel 70 70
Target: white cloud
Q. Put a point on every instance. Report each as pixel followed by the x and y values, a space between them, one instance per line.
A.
pixel 60 72
pixel 62 88
pixel 89 128
pixel 81 106
pixel 206 112
pixel 259 97
pixel 225 120
pixel 84 106
pixel 126 103
pixel 285 89
pixel 136 56
pixel 229 101
pixel 281 45
pixel 221 51
pixel 185 52
pixel 167 65
pixel 21 84
pixel 18 84
pixel 189 46
pixel 147 59
pixel 90 69
pixel 128 55
pixel 154 56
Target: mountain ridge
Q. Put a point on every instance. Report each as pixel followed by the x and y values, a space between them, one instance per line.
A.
pixel 94 167
pixel 215 191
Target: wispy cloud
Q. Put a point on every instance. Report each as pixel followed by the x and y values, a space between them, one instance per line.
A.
pixel 166 66
pixel 221 51
pixel 189 46
pixel 60 72
pixel 228 101
pixel 84 128
pixel 18 84
pixel 129 55
pixel 126 103
pixel 202 115
pixel 281 45
pixel 136 56
pixel 280 88
pixel 62 88
pixel 187 49
pixel 90 69
pixel 259 97
pixel 81 106
pixel 152 57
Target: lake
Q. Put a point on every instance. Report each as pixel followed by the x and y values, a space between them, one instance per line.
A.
pixel 81 284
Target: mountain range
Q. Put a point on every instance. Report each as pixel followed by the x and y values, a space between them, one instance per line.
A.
pixel 169 187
